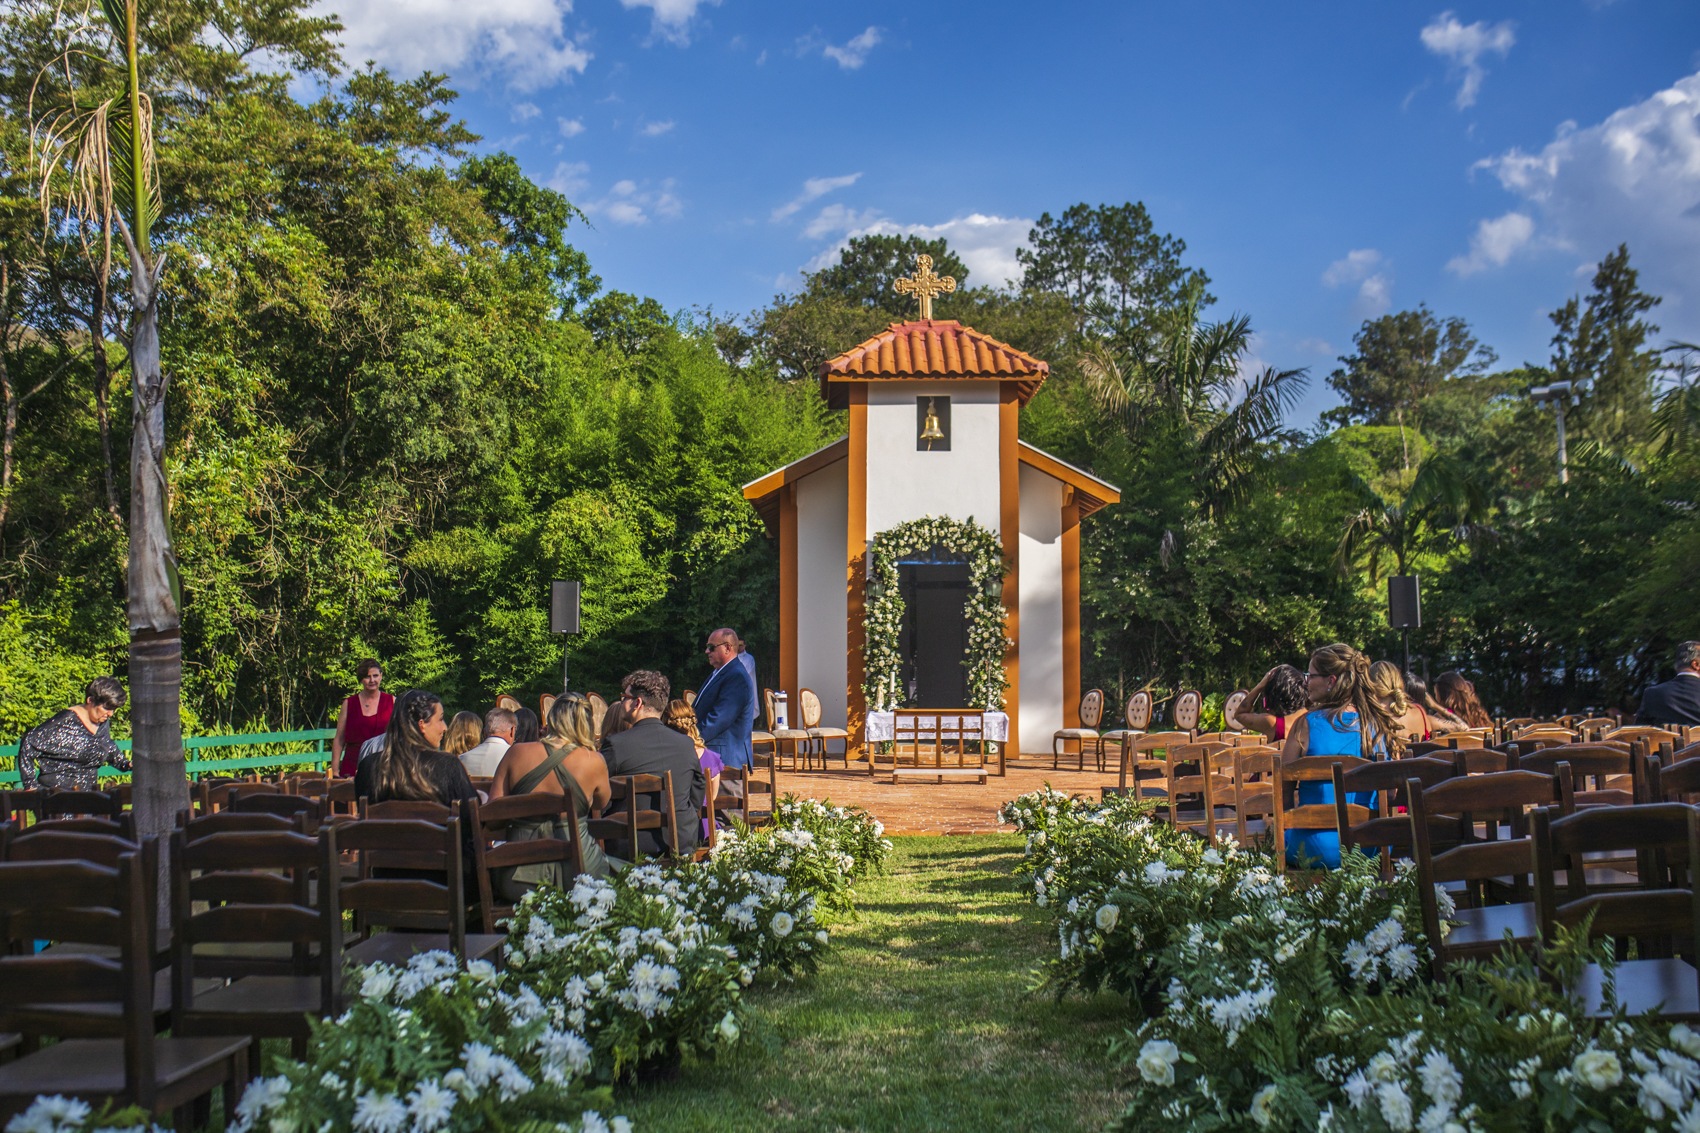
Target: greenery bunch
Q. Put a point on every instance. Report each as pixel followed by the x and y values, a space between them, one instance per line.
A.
pixel 768 920
pixel 811 863
pixel 430 1048
pixel 882 656
pixel 847 829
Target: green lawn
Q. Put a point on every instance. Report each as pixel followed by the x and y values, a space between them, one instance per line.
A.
pixel 919 1019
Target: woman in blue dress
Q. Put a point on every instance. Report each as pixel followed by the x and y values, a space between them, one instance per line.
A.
pixel 1346 719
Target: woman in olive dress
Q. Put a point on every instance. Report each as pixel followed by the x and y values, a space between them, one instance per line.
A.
pixel 69 749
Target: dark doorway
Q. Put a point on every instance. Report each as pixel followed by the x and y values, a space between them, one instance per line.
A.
pixel 935 633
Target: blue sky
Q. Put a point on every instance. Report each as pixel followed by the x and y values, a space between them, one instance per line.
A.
pixel 1323 163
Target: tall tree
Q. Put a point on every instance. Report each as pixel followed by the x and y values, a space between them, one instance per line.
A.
pixel 869 265
pixel 1400 363
pixel 1601 345
pixel 1115 269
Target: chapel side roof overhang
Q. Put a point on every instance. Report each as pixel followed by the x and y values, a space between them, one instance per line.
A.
pixel 931 350
pixel 763 493
pixel 1090 493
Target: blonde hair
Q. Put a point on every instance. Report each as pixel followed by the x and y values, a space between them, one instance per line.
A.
pixel 1352 689
pixel 681 717
pixel 1387 685
pixel 466 731
pixel 570 721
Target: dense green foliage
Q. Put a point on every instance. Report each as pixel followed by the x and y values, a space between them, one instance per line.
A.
pixel 401 402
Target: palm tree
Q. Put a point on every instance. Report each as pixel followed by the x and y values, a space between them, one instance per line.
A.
pixel 94 155
pixel 1434 512
pixel 1189 383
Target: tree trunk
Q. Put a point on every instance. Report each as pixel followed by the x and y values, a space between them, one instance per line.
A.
pixel 102 391
pixel 156 643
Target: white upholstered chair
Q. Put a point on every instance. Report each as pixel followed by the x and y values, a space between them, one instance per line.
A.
pixel 1136 714
pixel 1187 707
pixel 808 707
pixel 1091 715
pixel 785 740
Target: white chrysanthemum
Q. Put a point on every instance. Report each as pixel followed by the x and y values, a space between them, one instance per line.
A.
pixel 482 1063
pixel 1107 917
pixel 1402 961
pixel 378 982
pixel 1395 1106
pixel 1597 1069
pixel 1358 1088
pixel 1157 1060
pixel 430 1106
pixel 379 1113
pixel 482 970
pixel 1441 1080
pixel 1385 935
pixel 1263 1106
pixel 1657 1094
pixel 47 1114
pixel 591 1122
pixel 1685 1039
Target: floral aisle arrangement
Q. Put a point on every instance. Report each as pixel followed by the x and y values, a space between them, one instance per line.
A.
pixel 73 1115
pixel 768 921
pixel 845 829
pixel 430 1048
pixel 1296 1007
pixel 819 848
pixel 882 658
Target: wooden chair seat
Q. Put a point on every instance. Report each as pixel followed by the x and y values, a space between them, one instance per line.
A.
pixel 263 1006
pixel 398 947
pixel 103 1018
pixel 1480 932
pixel 93 1069
pixel 1669 987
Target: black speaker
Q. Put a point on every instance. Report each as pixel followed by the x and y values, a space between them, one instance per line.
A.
pixel 563 607
pixel 1404 602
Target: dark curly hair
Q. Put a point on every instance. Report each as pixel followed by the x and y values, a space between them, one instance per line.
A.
pixel 1284 694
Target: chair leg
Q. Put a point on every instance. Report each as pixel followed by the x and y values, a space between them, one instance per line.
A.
pixel 1056 756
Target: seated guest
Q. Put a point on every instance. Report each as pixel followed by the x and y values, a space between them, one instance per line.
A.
pixel 1345 719
pixel 683 720
pixel 564 762
pixel 1440 720
pixel 1677 701
pixel 726 704
pixel 1388 689
pixel 527 728
pixel 1458 696
pixel 614 721
pixel 499 726
pixel 649 747
pixel 1283 691
pixel 465 730
pixel 411 765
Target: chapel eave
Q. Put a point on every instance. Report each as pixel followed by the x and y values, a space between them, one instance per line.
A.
pixel 763 492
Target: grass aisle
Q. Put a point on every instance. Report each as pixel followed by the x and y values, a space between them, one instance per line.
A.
pixel 918 1020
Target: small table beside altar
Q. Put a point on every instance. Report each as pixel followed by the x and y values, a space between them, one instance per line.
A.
pixel 939 727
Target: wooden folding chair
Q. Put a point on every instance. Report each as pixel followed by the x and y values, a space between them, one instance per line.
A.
pixel 78 804
pixel 422 810
pixel 489 824
pixel 84 903
pixel 287 806
pixel 256 891
pixel 1615 774
pixel 1205 770
pixel 1134 760
pixel 1658 914
pixel 627 817
pixel 1672 783
pixel 1255 770
pixel 432 912
pixel 1091 713
pixel 1388 779
pixel 1290 814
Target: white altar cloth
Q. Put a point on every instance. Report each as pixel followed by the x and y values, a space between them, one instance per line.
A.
pixel 881 725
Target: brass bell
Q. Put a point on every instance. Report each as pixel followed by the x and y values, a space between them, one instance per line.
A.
pixel 931 430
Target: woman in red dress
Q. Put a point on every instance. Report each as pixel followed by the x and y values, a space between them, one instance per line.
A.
pixel 364 715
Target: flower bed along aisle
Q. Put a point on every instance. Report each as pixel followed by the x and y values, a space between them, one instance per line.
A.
pixel 1273 1006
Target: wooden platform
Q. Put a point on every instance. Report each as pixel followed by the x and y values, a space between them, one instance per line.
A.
pixel 938 775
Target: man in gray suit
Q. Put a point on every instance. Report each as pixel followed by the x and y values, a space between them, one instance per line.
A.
pixel 650 747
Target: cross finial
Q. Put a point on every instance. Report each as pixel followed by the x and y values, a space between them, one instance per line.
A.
pixel 924 285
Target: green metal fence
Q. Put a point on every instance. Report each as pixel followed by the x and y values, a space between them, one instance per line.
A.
pixel 309 749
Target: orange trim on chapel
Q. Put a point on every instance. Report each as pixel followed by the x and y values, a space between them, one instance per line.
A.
pixel 1071 610
pixel 1009 526
pixel 788 591
pixel 856 569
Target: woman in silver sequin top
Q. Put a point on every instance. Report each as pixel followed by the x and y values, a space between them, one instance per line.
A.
pixel 68 750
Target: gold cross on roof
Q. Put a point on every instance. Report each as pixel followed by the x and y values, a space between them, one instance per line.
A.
pixel 924 285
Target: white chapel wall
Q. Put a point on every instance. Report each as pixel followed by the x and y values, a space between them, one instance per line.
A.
pixel 905 484
pixel 823 510
pixel 1041 625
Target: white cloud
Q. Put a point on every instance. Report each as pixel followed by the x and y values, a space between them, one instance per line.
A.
pixel 1375 288
pixel 629 203
pixel 1465 45
pixel 569 179
pixel 524 110
pixel 672 18
pixel 571 127
pixel 656 129
pixel 813 188
pixel 853 54
pixel 986 244
pixel 522 41
pixel 1494 243
pixel 1633 178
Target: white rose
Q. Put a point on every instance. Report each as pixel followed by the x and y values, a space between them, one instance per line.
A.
pixel 1157 1060
pixel 378 982
pixel 1107 917
pixel 1597 1069
pixel 782 924
pixel 1263 1106
pixel 1683 1037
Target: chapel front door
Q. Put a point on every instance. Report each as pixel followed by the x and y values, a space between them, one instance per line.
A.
pixel 935 633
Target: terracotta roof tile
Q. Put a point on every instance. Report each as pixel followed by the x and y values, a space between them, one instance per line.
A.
pixel 934 349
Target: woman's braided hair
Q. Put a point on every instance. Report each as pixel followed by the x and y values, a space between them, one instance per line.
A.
pixel 1353 689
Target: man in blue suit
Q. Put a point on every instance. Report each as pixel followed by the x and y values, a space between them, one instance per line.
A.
pixel 726 703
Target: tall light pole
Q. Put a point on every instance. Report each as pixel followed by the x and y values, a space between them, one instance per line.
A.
pixel 1559 394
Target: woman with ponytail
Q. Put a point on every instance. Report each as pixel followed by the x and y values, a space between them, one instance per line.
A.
pixel 1346 719
pixel 412 765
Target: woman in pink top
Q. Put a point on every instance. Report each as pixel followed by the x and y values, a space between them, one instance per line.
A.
pixel 364 715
